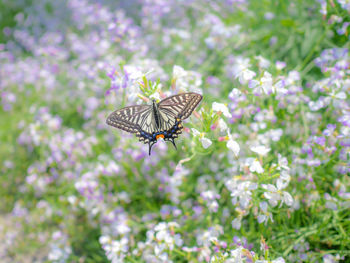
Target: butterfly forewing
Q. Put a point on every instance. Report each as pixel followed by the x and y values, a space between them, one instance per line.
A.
pixel 180 106
pixel 132 118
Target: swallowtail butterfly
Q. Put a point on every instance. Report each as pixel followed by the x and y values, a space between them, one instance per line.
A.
pixel 159 120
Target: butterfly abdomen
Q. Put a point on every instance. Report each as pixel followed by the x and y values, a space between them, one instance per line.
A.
pixel 156 113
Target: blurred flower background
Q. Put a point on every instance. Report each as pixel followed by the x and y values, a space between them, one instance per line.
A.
pixel 262 169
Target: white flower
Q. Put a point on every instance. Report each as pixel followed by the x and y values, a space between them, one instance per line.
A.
pixel 255 166
pixel 331 202
pixel 340 95
pixel 187 80
pixel 263 62
pixel 233 146
pixel 236 223
pixel 178 72
pixel 329 258
pixel 280 87
pixel 275 134
pixel 241 70
pixel 195 132
pixel 262 86
pixel 261 150
pixel 155 96
pixel 282 162
pixel 210 197
pixel 241 191
pixel 219 107
pixel 236 255
pixel 264 216
pixel 222 125
pixel 205 141
pixel 280 65
pixel 316 105
pixel 278 260
pixel 245 75
pixel 283 181
pixel 274 194
pixel 235 93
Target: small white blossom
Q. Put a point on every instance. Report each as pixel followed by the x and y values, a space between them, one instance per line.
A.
pixel 235 93
pixel 205 141
pixel 261 150
pixel 178 72
pixel 195 132
pixel 274 194
pixel 233 145
pixel 222 125
pixel 241 192
pixel 264 215
pixel 220 107
pixel 245 75
pixel 282 162
pixel 236 255
pixel 236 223
pixel 155 96
pixel 187 80
pixel 255 166
pixel 278 260
pixel 264 85
pixel 263 62
pixel 241 70
pixel 340 95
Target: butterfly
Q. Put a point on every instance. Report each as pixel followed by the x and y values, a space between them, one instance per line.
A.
pixel 158 120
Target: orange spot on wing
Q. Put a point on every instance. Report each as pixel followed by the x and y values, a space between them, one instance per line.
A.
pixel 160 136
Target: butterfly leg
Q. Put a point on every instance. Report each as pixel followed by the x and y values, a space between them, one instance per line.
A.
pixel 173 142
pixel 150 144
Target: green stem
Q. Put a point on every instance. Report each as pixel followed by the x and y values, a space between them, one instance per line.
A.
pixel 305 123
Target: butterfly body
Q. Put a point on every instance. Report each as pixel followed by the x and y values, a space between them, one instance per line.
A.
pixel 159 120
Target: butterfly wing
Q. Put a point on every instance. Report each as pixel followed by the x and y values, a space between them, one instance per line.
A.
pixel 179 106
pixel 173 110
pixel 133 119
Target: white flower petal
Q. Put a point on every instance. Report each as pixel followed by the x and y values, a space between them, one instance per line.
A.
pixel 221 108
pixel 205 142
pixel 236 223
pixel 233 146
pixel 261 149
pixel 278 260
pixel 195 132
pixel 288 199
pixel 256 167
pixel 222 125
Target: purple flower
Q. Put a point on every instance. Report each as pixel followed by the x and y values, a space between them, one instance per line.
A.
pixel 320 140
pixel 329 130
